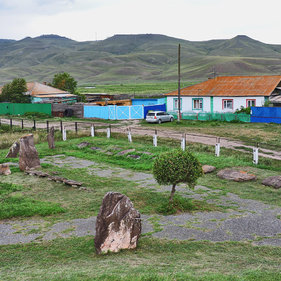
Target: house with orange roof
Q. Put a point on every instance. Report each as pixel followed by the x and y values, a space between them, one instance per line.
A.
pixel 226 94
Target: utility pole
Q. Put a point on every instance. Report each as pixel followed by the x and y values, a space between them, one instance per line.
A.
pixel 179 83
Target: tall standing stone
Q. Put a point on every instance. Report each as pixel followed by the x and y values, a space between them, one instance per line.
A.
pixel 118 224
pixel 28 155
pixel 51 138
pixel 14 150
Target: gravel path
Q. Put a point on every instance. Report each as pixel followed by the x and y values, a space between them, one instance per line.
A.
pixel 244 220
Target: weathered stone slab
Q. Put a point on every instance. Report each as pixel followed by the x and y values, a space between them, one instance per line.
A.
pixel 28 155
pixel 37 173
pixel 274 181
pixel 235 175
pixel 208 169
pixel 134 156
pixel 5 169
pixel 95 148
pixel 14 150
pixel 126 151
pixel 83 144
pixel 51 138
pixel 118 224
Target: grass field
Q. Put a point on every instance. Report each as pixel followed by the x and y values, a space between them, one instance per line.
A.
pixel 155 259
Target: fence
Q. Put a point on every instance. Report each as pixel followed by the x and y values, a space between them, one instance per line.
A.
pixel 242 117
pixel 115 112
pixel 21 108
pixel 266 115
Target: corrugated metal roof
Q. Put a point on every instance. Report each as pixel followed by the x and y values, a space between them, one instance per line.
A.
pixel 37 89
pixel 232 86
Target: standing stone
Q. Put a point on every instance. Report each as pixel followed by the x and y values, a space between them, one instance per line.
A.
pixel 51 138
pixel 5 169
pixel 118 224
pixel 28 155
pixel 14 150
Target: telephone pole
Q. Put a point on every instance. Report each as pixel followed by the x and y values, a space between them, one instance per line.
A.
pixel 179 83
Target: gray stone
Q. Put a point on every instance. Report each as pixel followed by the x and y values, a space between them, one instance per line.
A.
pixel 134 156
pixel 28 155
pixel 5 169
pixel 235 175
pixel 126 151
pixel 118 224
pixel 274 182
pixel 83 144
pixel 14 150
pixel 51 138
pixel 208 169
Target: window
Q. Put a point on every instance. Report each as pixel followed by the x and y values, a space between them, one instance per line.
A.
pixel 250 103
pixel 197 104
pixel 176 107
pixel 227 104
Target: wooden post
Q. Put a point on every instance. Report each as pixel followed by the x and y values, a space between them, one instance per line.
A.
pixel 0 122
pixel 22 124
pixel 218 147
pixel 256 155
pixel 11 123
pixel 155 139
pixel 64 134
pixel 47 126
pixel 76 128
pixel 34 125
pixel 183 142
pixel 93 130
pixel 129 135
pixel 108 132
pixel 61 127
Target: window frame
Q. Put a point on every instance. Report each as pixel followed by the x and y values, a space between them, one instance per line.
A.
pixel 223 100
pixel 174 104
pixel 247 100
pixel 199 99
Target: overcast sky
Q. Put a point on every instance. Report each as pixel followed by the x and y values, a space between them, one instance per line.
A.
pixel 194 20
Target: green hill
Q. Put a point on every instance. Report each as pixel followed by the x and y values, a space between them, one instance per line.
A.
pixel 134 58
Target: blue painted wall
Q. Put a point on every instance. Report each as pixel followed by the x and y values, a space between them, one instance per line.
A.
pixel 158 107
pixel 148 101
pixel 266 115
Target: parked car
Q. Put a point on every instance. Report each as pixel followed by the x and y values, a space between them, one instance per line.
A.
pixel 158 117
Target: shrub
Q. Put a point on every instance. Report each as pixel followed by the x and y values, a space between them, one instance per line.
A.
pixel 33 115
pixel 176 166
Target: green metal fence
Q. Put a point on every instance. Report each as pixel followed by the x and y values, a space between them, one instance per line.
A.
pixel 242 117
pixel 21 108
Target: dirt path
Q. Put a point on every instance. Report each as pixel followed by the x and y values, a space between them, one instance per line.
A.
pixel 242 220
pixel 136 129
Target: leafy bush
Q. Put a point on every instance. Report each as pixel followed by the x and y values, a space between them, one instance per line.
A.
pixel 33 115
pixel 176 166
pixel 242 109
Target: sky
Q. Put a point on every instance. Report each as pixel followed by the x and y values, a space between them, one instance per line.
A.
pixel 89 20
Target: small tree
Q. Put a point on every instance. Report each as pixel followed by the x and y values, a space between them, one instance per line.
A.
pixel 175 167
pixel 65 82
pixel 15 92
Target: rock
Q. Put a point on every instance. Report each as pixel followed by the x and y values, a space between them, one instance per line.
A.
pixel 37 173
pixel 14 150
pixel 208 169
pixel 5 169
pixel 274 181
pixel 126 151
pixel 28 155
pixel 83 144
pixel 134 156
pixel 51 138
pixel 72 183
pixel 235 175
pixel 118 224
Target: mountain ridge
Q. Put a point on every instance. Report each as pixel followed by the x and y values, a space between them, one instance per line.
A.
pixel 135 58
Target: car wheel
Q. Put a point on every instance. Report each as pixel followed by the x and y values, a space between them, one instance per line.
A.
pixel 172 119
pixel 159 121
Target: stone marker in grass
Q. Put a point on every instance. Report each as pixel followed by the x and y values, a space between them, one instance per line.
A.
pixel 14 150
pixel 5 169
pixel 274 181
pixel 235 175
pixel 118 224
pixel 51 138
pixel 28 155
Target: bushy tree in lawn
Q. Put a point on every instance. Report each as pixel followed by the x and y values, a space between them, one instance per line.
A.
pixel 65 82
pixel 176 166
pixel 15 92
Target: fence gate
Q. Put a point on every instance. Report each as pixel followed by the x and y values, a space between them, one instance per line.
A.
pixel 123 112
pixel 112 112
pixel 136 111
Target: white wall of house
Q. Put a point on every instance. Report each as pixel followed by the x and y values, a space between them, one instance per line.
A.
pixel 220 104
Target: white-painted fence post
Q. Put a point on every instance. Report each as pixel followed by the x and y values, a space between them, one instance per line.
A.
pixel 92 130
pixel 129 135
pixel 155 138
pixel 183 142
pixel 256 155
pixel 218 147
pixel 108 132
pixel 64 134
